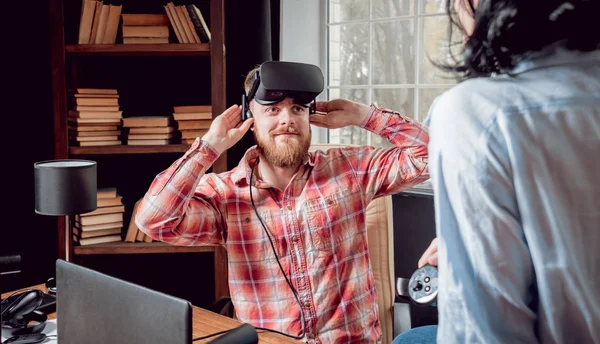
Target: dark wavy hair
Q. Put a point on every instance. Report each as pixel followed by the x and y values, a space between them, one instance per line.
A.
pixel 506 31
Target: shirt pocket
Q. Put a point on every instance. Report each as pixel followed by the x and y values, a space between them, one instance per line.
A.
pixel 247 240
pixel 327 219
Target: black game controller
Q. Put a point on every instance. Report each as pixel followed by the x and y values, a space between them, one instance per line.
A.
pixel 422 288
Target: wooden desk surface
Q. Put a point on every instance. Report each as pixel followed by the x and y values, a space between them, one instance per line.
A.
pixel 203 323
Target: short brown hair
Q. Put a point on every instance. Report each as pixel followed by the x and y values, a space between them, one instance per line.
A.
pixel 249 77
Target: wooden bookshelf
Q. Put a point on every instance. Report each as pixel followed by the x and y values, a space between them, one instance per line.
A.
pixel 174 49
pixel 193 73
pixel 138 248
pixel 126 149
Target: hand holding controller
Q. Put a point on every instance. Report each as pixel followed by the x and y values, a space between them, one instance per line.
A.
pixel 421 289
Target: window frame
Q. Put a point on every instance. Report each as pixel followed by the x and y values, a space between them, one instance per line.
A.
pixel 294 33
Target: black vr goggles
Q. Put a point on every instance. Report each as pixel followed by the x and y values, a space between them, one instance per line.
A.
pixel 277 80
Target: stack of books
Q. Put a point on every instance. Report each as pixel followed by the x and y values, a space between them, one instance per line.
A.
pixel 103 224
pixel 193 121
pixel 145 28
pixel 188 23
pixel 151 130
pixel 99 22
pixel 95 118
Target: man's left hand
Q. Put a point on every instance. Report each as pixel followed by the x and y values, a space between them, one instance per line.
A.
pixel 339 113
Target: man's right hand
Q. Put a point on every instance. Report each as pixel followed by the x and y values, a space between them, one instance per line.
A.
pixel 224 131
pixel 430 255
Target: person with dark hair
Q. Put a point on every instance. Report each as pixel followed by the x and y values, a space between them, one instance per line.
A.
pixel 515 163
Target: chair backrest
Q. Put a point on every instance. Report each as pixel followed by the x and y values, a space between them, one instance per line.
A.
pixel 380 232
pixel 380 236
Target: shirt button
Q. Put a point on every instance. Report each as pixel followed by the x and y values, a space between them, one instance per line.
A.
pixel 289 207
pixel 301 270
pixel 247 220
pixel 306 304
pixel 329 202
pixel 311 336
pixel 294 238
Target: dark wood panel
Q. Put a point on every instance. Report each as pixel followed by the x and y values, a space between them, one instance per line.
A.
pixel 59 104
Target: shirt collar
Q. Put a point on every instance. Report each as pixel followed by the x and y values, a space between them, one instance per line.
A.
pixel 555 54
pixel 244 168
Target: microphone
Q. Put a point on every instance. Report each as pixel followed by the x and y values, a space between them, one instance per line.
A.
pixel 10 264
pixel 244 334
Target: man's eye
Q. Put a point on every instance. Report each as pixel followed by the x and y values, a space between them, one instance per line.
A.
pixel 271 109
pixel 298 108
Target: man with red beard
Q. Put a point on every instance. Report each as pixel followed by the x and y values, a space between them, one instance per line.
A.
pixel 293 222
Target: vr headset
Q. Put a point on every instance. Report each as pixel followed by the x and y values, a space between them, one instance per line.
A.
pixel 277 80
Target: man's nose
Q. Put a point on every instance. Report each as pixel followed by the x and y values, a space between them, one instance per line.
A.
pixel 286 117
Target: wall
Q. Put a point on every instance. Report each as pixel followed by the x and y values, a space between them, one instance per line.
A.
pixel 304 39
pixel 26 138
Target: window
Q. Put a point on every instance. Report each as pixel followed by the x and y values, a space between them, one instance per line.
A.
pixel 378 52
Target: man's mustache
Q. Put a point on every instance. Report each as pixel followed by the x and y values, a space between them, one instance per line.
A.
pixel 285 130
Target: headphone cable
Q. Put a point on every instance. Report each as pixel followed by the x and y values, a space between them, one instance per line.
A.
pixel 278 263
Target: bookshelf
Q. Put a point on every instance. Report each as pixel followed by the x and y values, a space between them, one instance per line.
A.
pixel 124 149
pixel 71 65
pixel 139 248
pixel 175 49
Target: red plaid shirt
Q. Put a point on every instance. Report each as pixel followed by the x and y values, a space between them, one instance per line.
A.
pixel 317 225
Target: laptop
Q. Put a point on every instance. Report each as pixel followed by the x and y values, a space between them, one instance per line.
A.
pixel 96 308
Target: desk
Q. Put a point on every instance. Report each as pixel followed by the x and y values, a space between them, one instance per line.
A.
pixel 203 323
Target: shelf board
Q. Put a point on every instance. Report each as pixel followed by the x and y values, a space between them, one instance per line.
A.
pixel 187 49
pixel 121 247
pixel 126 149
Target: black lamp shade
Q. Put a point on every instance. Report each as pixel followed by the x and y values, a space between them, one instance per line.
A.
pixel 65 187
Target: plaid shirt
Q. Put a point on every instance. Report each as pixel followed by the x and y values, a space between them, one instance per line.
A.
pixel 317 225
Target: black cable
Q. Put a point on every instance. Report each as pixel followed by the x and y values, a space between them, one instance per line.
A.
pixel 258 328
pixel 278 263
pixel 211 335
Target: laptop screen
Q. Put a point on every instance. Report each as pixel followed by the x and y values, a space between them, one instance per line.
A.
pixel 96 308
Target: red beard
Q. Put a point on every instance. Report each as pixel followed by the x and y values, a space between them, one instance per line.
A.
pixel 283 151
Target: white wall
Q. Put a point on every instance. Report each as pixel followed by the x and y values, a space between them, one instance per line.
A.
pixel 303 38
pixel 303 35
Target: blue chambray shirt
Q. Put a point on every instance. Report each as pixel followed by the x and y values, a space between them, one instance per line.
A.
pixel 515 166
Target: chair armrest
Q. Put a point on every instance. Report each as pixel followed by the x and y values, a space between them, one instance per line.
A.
pixel 223 306
pixel 402 288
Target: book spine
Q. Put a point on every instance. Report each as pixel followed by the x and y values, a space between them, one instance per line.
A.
pixel 197 24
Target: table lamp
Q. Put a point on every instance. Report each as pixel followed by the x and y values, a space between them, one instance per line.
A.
pixel 65 187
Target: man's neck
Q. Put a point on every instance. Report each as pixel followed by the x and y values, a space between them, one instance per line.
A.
pixel 279 177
